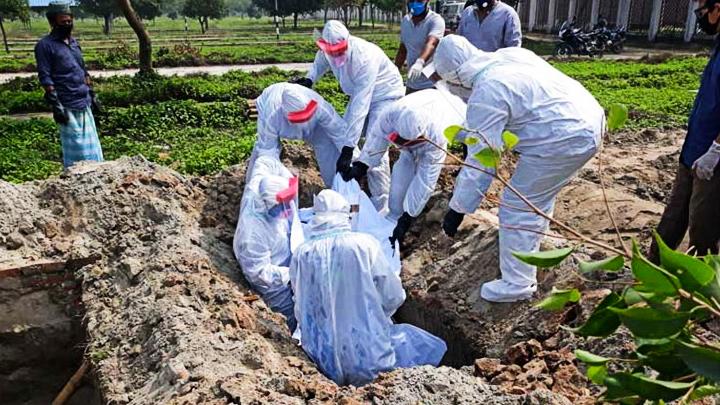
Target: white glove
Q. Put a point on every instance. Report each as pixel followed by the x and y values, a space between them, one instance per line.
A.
pixel 704 167
pixel 416 70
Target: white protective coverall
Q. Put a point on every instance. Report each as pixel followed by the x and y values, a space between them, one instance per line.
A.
pixel 263 244
pixel 372 81
pixel 415 174
pixel 325 131
pixel 345 293
pixel 559 124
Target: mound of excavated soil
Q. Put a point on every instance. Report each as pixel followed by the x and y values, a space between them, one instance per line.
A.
pixel 166 315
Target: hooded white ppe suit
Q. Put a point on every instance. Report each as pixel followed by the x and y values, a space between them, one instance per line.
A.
pixel 559 124
pixel 345 293
pixel 325 131
pixel 415 174
pixel 372 81
pixel 263 244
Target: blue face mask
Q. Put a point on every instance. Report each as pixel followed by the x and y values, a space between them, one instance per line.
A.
pixel 416 7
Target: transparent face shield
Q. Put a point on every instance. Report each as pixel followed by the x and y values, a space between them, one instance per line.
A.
pixel 285 200
pixel 336 54
pixel 401 142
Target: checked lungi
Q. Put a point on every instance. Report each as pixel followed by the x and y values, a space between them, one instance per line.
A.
pixel 79 138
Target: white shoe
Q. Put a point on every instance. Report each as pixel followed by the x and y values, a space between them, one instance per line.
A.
pixel 502 291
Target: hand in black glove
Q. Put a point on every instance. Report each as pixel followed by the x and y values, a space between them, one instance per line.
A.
pixel 303 81
pixel 451 222
pixel 357 171
pixel 97 107
pixel 464 151
pixel 60 114
pixel 343 163
pixel 403 224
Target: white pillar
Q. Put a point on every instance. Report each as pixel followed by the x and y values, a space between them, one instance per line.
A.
pixel 623 14
pixel 532 16
pixel 655 20
pixel 572 6
pixel 690 21
pixel 594 11
pixel 552 5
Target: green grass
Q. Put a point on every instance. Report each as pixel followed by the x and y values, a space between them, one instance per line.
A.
pixel 198 124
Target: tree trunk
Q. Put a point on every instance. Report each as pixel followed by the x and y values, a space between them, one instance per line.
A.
pixel 202 26
pixel 360 15
pixel 295 18
pixel 347 15
pixel 142 34
pixel 283 21
pixel 108 23
pixel 326 12
pixel 206 20
pixel 372 16
pixel 2 28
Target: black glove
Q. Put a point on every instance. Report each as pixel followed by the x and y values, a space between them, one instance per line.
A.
pixel 60 114
pixel 343 163
pixel 97 107
pixel 357 171
pixel 303 81
pixel 403 224
pixel 464 151
pixel 451 222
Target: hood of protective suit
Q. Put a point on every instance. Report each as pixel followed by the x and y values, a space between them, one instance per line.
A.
pixel 332 213
pixel 411 124
pixel 294 100
pixel 460 62
pixel 269 188
pixel 334 32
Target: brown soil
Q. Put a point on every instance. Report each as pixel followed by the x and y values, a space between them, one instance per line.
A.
pixel 165 316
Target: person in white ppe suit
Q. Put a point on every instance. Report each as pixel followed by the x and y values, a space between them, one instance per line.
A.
pixel 372 81
pixel 559 125
pixel 345 293
pixel 292 111
pixel 409 124
pixel 268 231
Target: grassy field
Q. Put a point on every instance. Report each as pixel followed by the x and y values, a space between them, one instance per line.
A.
pixel 199 124
pixel 231 40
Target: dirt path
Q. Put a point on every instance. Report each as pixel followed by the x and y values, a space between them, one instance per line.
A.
pixel 179 71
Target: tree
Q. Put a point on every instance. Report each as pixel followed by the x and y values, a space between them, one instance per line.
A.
pixel 107 9
pixel 289 7
pixel 204 10
pixel 143 37
pixel 12 9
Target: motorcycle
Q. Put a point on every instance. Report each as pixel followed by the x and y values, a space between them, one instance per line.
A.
pixel 576 42
pixel 616 39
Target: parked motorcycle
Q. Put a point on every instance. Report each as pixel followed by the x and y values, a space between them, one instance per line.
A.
pixel 576 42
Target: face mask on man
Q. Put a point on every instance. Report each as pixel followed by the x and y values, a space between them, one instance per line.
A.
pixel 63 31
pixel 416 8
pixel 703 19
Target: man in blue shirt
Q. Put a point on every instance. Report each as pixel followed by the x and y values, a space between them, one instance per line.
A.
pixel 62 73
pixel 695 199
pixel 490 25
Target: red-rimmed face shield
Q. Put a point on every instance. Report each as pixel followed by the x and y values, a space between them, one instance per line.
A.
pixel 304 115
pixel 285 199
pixel 335 53
pixel 402 142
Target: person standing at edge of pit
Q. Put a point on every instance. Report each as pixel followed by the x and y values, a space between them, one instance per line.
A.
pixel 67 85
pixel 695 199
pixel 559 125
pixel 420 31
pixel 490 25
pixel 372 81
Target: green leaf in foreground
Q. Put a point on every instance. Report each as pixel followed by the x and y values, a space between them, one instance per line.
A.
pixel 692 272
pixel 597 373
pixel 558 298
pixel 651 389
pixel 617 115
pixel 589 358
pixel 651 323
pixel 704 391
pixel 602 322
pixel 488 157
pixel 652 276
pixel 469 141
pixel 610 264
pixel 451 132
pixel 545 258
pixel 510 140
pixel 702 360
